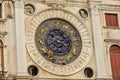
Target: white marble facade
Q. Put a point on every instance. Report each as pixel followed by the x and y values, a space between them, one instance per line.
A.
pixel 19 22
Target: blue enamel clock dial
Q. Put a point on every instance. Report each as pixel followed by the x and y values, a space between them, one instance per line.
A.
pixel 58 41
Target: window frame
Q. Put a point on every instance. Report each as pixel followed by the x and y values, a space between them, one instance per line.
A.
pixel 110 23
pixel 104 19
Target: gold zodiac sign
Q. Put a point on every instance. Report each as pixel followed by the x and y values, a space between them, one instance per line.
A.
pixel 43 49
pixel 47 52
pixel 72 32
pixel 68 57
pixel 40 41
pixel 43 30
pixel 77 44
pixel 50 54
pixel 61 58
pixel 75 41
pixel 74 52
pixel 65 27
pixel 56 24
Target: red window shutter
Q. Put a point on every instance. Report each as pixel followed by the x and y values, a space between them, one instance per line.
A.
pixel 111 20
pixel 115 20
pixel 107 16
pixel 115 61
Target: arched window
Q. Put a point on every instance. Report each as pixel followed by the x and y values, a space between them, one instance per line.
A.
pixel 1 58
pixel 115 61
pixel 115 48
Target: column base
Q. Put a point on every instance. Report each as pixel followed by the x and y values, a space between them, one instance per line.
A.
pixel 22 76
pixel 103 77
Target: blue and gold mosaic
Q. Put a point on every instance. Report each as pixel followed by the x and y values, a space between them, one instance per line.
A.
pixel 58 41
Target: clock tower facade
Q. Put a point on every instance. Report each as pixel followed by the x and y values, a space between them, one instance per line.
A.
pixel 63 39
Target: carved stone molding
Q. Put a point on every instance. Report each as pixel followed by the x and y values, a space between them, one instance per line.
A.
pixel 3 33
pixel 110 7
pixel 8 9
pixel 59 3
pixel 111 40
pixel 94 9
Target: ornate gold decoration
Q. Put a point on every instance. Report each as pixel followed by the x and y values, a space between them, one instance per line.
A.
pixel 71 32
pixel 69 57
pixel 74 52
pixel 43 30
pixel 40 41
pixel 56 24
pixel 43 49
pixel 65 27
pixel 49 53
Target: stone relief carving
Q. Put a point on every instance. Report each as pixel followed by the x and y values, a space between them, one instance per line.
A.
pixel 56 4
pixel 110 7
pixel 29 9
pixel 83 13
pixel 8 5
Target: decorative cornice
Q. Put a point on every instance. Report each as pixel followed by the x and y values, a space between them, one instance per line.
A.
pixel 2 20
pixel 34 0
pixel 3 33
pixel 59 3
pixel 110 7
pixel 56 1
pixel 111 40
pixel 95 1
pixel 56 4
pixel 9 0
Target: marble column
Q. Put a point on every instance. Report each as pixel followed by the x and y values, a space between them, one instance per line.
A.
pixel 98 41
pixel 20 38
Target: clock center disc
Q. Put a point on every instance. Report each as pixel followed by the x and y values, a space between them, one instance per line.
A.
pixel 58 41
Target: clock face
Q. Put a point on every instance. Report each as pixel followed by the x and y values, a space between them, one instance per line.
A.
pixel 58 42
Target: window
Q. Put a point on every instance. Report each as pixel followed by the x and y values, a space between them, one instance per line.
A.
pixel 111 20
pixel 115 49
pixel 33 70
pixel 115 61
pixel 88 72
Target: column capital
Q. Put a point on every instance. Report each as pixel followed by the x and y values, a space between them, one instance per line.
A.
pixel 94 9
pixel 19 4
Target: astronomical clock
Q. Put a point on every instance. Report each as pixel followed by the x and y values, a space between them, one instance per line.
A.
pixel 58 42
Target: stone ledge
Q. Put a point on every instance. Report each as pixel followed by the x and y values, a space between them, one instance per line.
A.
pixel 2 20
pixel 111 40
